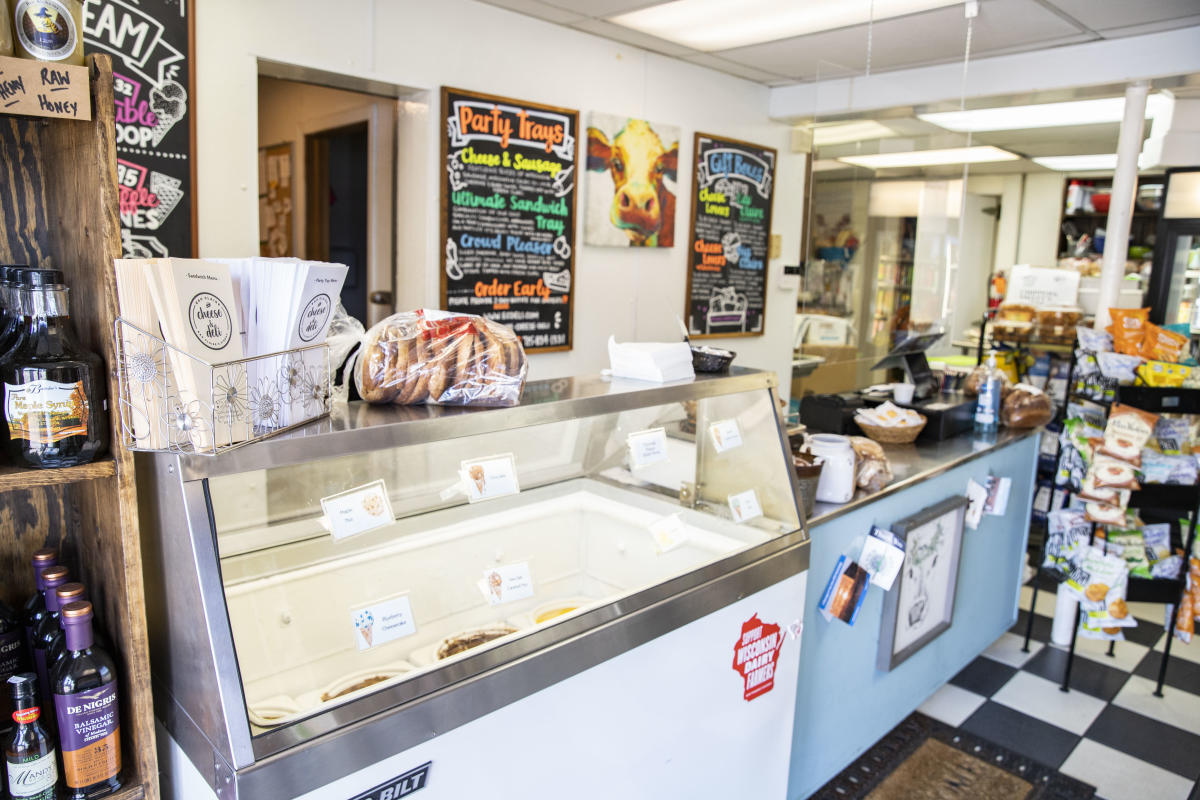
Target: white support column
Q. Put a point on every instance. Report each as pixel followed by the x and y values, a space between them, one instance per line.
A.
pixel 1120 207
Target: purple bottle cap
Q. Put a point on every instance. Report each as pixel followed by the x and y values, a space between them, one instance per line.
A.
pixel 53 578
pixel 43 559
pixel 77 624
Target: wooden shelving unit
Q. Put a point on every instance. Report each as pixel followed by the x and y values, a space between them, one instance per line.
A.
pixel 59 208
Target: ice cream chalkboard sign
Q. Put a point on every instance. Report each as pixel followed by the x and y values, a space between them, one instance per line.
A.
pixel 508 214
pixel 732 189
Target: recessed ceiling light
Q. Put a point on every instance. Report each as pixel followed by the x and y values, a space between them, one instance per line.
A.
pixel 932 158
pixel 845 132
pixel 1043 115
pixel 710 25
pixel 1078 163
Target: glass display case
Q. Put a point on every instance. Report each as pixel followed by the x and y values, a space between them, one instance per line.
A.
pixel 616 512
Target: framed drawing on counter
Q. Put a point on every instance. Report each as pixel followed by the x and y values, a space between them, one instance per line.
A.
pixel 733 187
pixel 508 214
pixel 921 604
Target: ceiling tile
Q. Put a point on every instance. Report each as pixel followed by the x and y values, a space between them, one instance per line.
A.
pixel 738 70
pixel 931 37
pixel 603 8
pixel 1101 14
pixel 540 10
pixel 630 36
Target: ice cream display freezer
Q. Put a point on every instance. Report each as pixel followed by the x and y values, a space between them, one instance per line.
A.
pixel 341 605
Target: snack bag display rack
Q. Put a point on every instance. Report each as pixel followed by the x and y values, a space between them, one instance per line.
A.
pixel 173 401
pixel 1175 503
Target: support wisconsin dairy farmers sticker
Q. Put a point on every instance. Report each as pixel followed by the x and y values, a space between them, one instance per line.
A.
pixel 755 656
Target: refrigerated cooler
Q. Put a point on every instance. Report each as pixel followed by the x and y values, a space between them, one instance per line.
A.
pixel 620 597
pixel 1174 293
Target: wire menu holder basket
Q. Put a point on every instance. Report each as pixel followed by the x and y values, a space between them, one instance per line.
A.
pixel 172 401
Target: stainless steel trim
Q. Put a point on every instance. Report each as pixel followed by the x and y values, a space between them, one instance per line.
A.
pixel 1006 438
pixel 352 746
pixel 216 618
pixel 358 427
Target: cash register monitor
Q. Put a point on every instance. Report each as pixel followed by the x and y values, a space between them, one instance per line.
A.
pixel 909 355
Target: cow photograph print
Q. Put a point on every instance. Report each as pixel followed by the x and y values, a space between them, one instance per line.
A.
pixel 631 166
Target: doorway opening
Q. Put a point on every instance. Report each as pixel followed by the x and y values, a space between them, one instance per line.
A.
pixel 327 171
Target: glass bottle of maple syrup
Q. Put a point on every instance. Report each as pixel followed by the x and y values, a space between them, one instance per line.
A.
pixel 54 390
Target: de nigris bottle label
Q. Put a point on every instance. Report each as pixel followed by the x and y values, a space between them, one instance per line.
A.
pixel 90 733
pixel 44 412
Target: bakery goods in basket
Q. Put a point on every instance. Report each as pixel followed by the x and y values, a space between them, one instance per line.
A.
pixel 440 358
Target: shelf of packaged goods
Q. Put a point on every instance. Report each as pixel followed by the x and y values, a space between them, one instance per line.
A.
pixel 16 478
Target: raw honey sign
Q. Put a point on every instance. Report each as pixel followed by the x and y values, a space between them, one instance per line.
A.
pixel 39 89
pixel 150 45
pixel 732 190
pixel 508 214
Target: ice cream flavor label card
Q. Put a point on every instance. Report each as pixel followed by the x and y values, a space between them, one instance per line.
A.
pixel 382 622
pixel 668 532
pixel 647 447
pixel 726 435
pixel 744 506
pixel 508 583
pixel 489 478
pixel 358 510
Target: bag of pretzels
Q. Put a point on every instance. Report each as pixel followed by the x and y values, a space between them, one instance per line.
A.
pixel 441 358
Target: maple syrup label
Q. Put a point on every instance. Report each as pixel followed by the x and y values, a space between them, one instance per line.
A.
pixel 44 412
pixel 89 730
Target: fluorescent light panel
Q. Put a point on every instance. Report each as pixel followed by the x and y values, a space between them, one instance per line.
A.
pixel 845 132
pixel 932 158
pixel 1043 115
pixel 1078 163
pixel 711 25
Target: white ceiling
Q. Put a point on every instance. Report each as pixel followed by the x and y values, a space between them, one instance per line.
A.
pixel 916 40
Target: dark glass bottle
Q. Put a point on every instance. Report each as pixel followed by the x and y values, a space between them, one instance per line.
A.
pixel 86 705
pixel 71 593
pixel 47 625
pixel 35 606
pixel 54 391
pixel 12 654
pixel 10 309
pixel 28 749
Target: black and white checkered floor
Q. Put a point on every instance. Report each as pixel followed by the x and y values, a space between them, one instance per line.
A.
pixel 1110 730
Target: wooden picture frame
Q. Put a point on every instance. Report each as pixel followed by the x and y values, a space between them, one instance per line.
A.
pixel 568 235
pixel 920 605
pixel 696 260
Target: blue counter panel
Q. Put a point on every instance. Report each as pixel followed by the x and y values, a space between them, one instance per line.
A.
pixel 843 704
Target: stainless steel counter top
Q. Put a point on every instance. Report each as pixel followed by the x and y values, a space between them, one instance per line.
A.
pixel 912 463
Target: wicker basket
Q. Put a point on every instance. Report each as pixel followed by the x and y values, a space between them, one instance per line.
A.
pixel 905 435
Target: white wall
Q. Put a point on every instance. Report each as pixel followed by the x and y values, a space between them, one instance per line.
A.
pixel 1041 215
pixel 632 294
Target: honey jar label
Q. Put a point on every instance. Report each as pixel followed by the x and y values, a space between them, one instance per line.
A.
pixel 45 29
pixel 44 412
pixel 90 732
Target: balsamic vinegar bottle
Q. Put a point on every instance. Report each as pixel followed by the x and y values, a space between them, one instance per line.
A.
pixel 53 389
pixel 86 705
pixel 47 626
pixel 35 606
pixel 28 749
pixel 68 593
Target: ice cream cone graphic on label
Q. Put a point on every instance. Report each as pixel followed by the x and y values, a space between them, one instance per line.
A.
pixel 364 623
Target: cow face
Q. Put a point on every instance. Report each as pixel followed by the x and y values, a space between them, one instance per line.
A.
pixel 642 206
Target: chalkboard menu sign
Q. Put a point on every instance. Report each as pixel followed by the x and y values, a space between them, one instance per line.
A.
pixel 731 237
pixel 508 214
pixel 150 42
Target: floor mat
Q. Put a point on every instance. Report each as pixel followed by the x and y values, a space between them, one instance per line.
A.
pixel 923 759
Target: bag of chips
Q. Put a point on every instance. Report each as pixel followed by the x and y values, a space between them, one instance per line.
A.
pixel 1160 373
pixel 1127 432
pixel 1094 340
pixel 1173 435
pixel 1157 538
pixel 1160 344
pixel 1100 584
pixel 1130 546
pixel 1128 329
pixel 1067 535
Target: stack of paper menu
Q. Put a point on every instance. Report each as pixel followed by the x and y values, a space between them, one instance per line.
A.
pixel 651 361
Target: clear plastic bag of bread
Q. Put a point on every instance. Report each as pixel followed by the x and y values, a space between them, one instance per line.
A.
pixel 441 358
pixel 1026 407
pixel 978 375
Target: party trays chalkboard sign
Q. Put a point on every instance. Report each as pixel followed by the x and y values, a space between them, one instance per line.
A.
pixel 508 214
pixel 731 237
